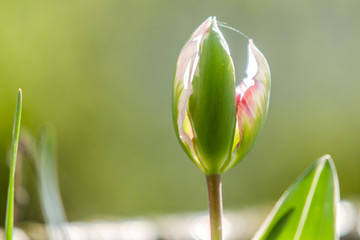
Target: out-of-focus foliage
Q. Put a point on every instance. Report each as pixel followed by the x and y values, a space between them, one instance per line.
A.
pixel 101 73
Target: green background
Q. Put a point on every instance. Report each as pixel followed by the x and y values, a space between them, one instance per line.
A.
pixel 101 72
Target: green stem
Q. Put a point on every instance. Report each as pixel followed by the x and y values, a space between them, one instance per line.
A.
pixel 9 224
pixel 215 205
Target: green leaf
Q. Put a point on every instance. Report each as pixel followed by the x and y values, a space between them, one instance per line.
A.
pixel 9 221
pixel 307 210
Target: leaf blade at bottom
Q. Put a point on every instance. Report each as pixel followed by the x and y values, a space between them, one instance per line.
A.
pixel 313 200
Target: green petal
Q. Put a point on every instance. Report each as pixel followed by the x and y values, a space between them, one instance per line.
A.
pixel 212 105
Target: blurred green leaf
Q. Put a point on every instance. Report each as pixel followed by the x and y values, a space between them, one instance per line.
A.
pixel 14 148
pixel 47 175
pixel 307 210
pixel 50 198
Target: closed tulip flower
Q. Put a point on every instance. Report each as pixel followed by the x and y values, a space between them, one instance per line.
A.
pixel 216 122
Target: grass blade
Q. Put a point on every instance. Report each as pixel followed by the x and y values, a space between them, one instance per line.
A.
pixel 312 201
pixel 9 221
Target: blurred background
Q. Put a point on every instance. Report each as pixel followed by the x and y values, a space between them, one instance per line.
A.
pixel 101 72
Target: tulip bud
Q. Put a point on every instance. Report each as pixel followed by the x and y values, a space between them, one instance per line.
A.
pixel 216 125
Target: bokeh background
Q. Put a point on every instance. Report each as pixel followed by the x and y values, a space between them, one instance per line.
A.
pixel 101 72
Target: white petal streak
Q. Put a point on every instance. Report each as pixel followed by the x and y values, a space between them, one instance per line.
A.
pixel 263 70
pixel 186 69
pixel 251 71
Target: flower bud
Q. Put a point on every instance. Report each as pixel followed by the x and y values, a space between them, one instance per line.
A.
pixel 216 125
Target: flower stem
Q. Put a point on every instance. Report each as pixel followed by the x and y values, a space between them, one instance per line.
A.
pixel 215 205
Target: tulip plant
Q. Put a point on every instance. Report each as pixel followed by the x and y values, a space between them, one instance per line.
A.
pixel 217 122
